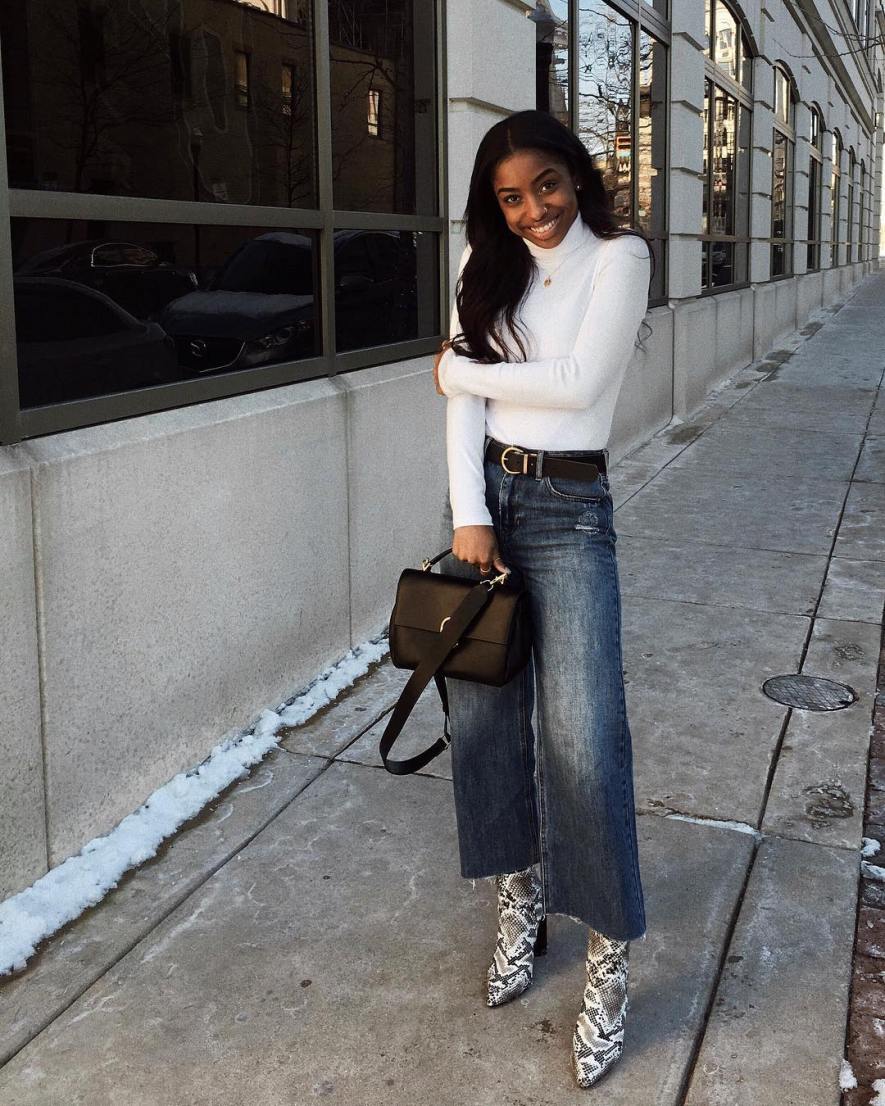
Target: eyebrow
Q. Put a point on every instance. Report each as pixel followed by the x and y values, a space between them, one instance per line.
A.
pixel 507 188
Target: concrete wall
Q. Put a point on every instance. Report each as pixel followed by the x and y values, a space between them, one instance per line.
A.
pixel 166 577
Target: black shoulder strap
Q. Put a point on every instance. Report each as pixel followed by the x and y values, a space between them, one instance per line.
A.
pixel 464 614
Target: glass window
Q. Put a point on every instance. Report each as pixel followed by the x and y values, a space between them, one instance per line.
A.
pixel 605 120
pixel 377 284
pixel 203 104
pixel 651 153
pixel 815 178
pixel 782 153
pixel 551 20
pixel 159 302
pixel 849 237
pixel 726 183
pixel 389 49
pixel 113 99
pixel 725 42
pixel 861 198
pixel 835 198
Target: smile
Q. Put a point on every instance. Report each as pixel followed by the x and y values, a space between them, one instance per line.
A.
pixel 544 228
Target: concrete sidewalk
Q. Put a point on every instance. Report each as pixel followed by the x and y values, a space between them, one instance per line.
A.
pixel 310 937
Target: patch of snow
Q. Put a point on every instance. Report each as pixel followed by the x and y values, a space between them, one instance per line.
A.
pixel 83 880
pixel 847 1078
pixel 719 823
pixel 879 1088
pixel 872 871
pixel 870 846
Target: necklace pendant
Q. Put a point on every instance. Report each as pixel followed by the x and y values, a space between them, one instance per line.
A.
pixel 547 281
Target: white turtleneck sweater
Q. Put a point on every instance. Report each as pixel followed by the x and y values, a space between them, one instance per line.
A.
pixel 579 332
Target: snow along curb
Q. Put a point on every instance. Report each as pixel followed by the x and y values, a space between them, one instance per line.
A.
pixel 83 880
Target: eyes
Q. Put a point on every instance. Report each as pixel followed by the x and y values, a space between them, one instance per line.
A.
pixel 554 184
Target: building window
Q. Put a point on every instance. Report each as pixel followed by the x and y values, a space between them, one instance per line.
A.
pixel 241 78
pixel 727 122
pixel 552 43
pixel 374 112
pixel 621 119
pixel 782 152
pixel 815 178
pixel 861 199
pixel 287 91
pixel 149 305
pixel 836 198
pixel 849 238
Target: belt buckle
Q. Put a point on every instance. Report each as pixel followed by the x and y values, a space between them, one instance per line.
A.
pixel 525 461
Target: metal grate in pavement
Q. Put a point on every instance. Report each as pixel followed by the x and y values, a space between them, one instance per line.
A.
pixel 809 692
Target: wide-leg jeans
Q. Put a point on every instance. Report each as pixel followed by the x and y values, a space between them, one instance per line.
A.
pixel 564 797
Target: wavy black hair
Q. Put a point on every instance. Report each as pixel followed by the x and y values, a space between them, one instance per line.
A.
pixel 498 271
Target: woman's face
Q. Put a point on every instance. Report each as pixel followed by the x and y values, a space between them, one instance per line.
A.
pixel 533 190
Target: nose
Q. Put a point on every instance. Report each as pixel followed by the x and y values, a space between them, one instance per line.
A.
pixel 537 210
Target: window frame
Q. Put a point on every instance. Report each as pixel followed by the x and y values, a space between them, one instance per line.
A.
pixel 17 425
pixel 849 238
pixel 720 78
pixel 786 129
pixel 836 198
pixel 815 188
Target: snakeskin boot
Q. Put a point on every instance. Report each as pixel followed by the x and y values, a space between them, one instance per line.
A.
pixel 599 1034
pixel 522 935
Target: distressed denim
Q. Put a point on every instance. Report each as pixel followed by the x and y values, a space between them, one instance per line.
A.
pixel 563 797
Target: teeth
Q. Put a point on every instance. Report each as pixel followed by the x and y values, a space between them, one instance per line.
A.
pixel 544 226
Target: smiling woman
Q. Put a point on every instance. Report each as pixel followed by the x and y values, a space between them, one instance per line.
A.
pixel 548 268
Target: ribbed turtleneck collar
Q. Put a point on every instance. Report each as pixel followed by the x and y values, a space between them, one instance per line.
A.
pixel 549 257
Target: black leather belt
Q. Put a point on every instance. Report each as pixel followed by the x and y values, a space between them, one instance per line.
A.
pixel 525 462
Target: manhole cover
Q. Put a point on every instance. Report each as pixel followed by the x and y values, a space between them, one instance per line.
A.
pixel 809 692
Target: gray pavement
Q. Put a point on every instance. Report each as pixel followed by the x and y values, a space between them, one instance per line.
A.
pixel 309 937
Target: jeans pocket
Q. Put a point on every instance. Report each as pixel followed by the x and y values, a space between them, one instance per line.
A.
pixel 579 491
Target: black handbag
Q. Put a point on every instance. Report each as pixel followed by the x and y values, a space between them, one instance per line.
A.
pixel 451 626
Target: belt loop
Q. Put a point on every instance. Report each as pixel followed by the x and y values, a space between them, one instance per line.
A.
pixel 539 464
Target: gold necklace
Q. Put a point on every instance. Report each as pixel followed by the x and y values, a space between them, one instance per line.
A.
pixel 549 276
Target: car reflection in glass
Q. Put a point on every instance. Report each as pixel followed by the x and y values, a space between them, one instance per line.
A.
pixel 133 276
pixel 260 306
pixel 75 342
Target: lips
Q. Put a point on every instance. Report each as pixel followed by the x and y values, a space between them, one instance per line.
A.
pixel 545 228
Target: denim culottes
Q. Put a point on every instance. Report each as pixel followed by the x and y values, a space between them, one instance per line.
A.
pixel 562 797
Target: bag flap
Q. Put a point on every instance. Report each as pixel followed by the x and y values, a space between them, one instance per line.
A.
pixel 424 600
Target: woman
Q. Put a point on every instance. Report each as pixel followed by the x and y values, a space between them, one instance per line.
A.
pixel 529 495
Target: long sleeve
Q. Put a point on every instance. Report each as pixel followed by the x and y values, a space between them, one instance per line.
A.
pixel 603 345
pixel 465 437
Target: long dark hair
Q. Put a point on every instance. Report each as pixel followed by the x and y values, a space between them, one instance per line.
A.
pixel 498 271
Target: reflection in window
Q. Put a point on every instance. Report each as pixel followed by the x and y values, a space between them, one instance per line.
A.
pixel 783 137
pixel 387 47
pixel 836 198
pixel 107 98
pixel 241 80
pixel 727 122
pixel 725 43
pixel 849 248
pixel 288 89
pixel 616 60
pixel 605 78
pixel 651 152
pixel 551 58
pixel 374 111
pixel 156 302
pixel 726 179
pixel 815 178
pixel 385 287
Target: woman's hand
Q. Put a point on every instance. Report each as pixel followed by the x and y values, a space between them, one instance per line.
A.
pixel 442 349
pixel 478 545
